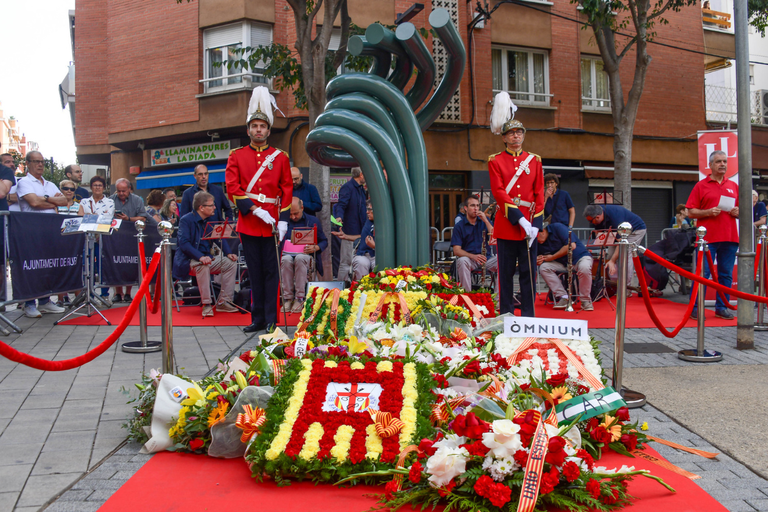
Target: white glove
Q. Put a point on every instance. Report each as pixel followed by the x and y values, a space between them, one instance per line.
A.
pixel 534 232
pixel 265 216
pixel 282 228
pixel 523 222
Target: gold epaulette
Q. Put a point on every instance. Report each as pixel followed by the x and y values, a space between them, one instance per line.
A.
pixel 491 157
pixel 232 151
pixel 538 158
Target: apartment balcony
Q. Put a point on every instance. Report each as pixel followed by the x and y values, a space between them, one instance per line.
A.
pixel 718 39
pixel 721 105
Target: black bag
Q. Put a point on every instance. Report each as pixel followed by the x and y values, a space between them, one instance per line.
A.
pixel 597 286
pixel 191 296
pixel 243 300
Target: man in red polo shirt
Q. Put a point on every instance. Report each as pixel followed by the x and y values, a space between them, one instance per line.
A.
pixel 722 234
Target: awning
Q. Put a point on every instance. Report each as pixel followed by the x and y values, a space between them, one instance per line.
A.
pixel 178 177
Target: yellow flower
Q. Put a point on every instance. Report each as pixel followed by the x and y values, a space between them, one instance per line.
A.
pixel 357 365
pixel 196 396
pixel 330 364
pixel 218 414
pixel 384 366
pixel 435 279
pixel 560 394
pixel 408 412
pixel 373 446
pixel 240 379
pixel 291 412
pixel 644 426
pixel 411 279
pixel 312 441
pixel 342 439
pixel 355 346
pixel 615 430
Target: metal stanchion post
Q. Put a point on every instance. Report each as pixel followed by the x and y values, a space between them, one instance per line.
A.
pixel 632 398
pixel 760 325
pixel 700 355
pixel 165 229
pixel 142 346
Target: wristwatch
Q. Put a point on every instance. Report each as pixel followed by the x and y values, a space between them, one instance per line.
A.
pixel 46 197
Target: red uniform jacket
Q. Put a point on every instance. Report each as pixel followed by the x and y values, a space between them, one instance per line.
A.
pixel 276 182
pixel 529 187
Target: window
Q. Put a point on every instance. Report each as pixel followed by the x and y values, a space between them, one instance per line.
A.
pixel 221 45
pixel 522 73
pixel 595 93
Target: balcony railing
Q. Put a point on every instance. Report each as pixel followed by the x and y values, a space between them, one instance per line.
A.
pixel 716 19
pixel 721 105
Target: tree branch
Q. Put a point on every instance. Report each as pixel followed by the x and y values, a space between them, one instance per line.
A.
pixel 341 53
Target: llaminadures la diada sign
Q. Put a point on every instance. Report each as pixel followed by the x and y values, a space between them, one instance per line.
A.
pixel 192 153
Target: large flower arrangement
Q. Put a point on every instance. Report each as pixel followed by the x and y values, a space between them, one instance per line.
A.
pixel 330 418
pixel 482 300
pixel 420 279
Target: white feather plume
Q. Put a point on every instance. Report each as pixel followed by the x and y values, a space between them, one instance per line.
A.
pixel 503 110
pixel 261 100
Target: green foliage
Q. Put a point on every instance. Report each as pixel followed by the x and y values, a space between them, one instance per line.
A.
pixel 54 172
pixel 758 15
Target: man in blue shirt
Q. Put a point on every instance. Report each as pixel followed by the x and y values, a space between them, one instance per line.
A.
pixel 559 206
pixel 759 211
pixel 75 173
pixel 365 257
pixel 467 241
pixel 350 211
pixel 7 180
pixel 553 258
pixel 201 258
pixel 223 207
pixel 295 259
pixel 610 216
pixel 307 192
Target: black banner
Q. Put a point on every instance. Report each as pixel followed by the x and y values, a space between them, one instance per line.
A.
pixel 43 261
pixel 119 254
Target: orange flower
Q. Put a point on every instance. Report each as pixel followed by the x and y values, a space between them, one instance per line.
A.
pixel 560 394
pixel 387 342
pixel 614 430
pixel 218 414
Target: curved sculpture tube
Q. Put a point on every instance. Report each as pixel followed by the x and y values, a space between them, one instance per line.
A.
pixel 416 151
pixel 414 46
pixel 385 39
pixel 382 60
pixel 440 20
pixel 361 151
pixel 402 197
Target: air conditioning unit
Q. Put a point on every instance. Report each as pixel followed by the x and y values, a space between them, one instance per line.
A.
pixel 762 106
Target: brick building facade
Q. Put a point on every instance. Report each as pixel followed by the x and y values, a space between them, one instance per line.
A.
pixel 145 83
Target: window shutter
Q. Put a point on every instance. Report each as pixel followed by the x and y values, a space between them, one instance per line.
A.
pixel 223 36
pixel 335 41
pixel 261 35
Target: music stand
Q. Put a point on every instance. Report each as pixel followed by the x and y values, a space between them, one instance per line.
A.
pixel 91 225
pixel 605 197
pixel 604 238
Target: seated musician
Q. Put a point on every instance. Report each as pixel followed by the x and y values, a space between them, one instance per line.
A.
pixel 467 242
pixel 553 257
pixel 365 257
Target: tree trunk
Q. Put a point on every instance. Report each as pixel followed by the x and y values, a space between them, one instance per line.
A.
pixel 622 163
pixel 320 176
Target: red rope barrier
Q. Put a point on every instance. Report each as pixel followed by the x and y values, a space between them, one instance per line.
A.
pixel 757 256
pixel 649 306
pixel 56 366
pixel 153 304
pixel 713 273
pixel 717 286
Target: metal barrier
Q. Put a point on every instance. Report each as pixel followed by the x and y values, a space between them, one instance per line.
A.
pixel 143 345
pixel 165 229
pixel 760 324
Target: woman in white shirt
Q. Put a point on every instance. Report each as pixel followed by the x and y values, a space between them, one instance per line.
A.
pixel 98 202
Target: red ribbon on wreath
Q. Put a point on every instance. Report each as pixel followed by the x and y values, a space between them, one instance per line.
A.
pixel 249 422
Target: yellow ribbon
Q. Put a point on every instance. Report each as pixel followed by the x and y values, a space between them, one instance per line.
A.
pixel 385 424
pixel 250 421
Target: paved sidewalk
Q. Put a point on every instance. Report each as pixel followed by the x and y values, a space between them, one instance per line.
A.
pixel 55 427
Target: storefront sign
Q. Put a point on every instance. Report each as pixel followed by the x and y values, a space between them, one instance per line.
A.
pixel 192 153
pixel 719 140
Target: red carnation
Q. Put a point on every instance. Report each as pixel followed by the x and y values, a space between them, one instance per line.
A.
pixel 470 426
pixel 473 367
pixel 556 454
pixel 390 489
pixel 289 351
pixel 622 414
pixel 246 356
pixel 446 489
pixel 442 382
pixel 549 481
pixel 629 441
pixel 583 390
pixel 601 435
pixel 498 494
pixel 593 488
pixel 196 444
pixel 477 449
pixel 528 424
pixel 611 498
pixel 414 475
pixel 592 423
pixel 521 457
pixel 557 380
pixel 425 446
pixel 571 471
pixel 254 381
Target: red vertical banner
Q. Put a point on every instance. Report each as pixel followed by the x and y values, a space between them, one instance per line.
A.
pixel 719 140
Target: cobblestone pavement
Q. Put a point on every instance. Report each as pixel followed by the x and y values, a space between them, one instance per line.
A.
pixel 62 447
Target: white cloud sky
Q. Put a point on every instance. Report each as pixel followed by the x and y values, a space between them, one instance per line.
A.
pixel 37 51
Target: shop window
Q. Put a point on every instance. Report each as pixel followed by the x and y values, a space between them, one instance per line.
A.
pixel 595 94
pixel 221 51
pixel 522 73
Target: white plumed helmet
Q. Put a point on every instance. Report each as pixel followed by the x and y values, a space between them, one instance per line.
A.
pixel 503 115
pixel 261 105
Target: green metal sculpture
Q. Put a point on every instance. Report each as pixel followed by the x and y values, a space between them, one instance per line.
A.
pixel 370 122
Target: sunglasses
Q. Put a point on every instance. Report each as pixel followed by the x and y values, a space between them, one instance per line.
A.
pixel 68 189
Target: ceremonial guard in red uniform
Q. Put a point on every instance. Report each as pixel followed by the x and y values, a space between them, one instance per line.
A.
pixel 259 181
pixel 517 183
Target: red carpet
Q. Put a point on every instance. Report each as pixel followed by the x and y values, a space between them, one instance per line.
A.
pixel 188 316
pixel 181 481
pixel 603 317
